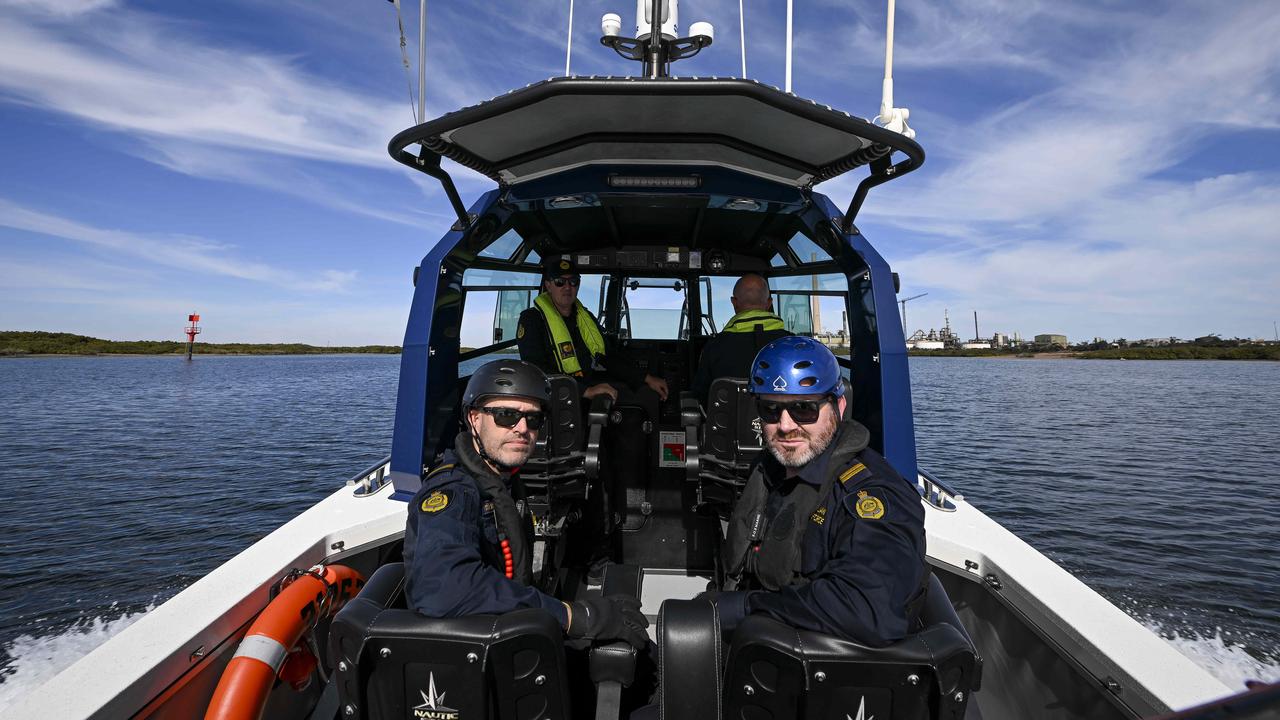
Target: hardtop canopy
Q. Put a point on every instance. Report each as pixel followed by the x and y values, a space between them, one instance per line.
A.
pixel 558 125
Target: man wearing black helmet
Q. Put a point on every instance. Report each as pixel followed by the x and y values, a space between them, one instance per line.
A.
pixel 826 536
pixel 468 545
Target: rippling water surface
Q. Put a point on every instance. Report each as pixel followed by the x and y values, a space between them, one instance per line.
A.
pixel 130 477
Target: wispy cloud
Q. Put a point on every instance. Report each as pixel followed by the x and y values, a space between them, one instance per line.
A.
pixel 1056 207
pixel 133 73
pixel 60 9
pixel 176 251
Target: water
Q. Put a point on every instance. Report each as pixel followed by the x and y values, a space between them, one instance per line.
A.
pixel 131 477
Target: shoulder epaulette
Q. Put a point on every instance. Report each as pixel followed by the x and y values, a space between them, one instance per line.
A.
pixel 437 471
pixel 849 474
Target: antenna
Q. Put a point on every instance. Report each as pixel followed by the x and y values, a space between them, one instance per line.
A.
pixel 568 43
pixel 742 38
pixel 890 117
pixel 903 303
pixel 788 83
pixel 656 44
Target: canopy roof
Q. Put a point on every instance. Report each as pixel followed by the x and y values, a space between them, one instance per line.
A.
pixel 743 125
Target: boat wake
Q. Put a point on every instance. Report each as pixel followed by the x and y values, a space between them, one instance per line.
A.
pixel 1227 657
pixel 29 661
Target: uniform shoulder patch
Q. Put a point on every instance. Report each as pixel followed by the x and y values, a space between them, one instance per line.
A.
pixel 868 507
pixel 436 501
pixel 520 331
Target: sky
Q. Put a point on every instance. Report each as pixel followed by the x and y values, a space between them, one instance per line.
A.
pixel 1094 168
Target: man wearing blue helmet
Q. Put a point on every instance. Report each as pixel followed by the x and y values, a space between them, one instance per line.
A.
pixel 826 536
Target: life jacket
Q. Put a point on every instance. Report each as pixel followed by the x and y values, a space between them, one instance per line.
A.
pixel 562 342
pixel 776 562
pixel 756 322
pixel 512 523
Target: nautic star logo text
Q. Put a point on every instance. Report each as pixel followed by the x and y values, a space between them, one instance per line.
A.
pixel 433 707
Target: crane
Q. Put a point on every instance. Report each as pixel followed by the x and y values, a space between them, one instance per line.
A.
pixel 903 303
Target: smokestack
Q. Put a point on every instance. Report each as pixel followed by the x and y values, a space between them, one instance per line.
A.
pixel 976 335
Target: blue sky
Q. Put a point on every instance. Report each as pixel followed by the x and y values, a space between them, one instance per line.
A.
pixel 1100 168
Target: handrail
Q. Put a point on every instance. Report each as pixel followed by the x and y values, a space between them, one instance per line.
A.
pixel 937 493
pixel 371 479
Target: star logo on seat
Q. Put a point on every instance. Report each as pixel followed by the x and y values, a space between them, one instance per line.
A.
pixel 433 707
pixel 862 712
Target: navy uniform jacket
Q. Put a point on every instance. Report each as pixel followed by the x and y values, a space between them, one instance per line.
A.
pixel 862 559
pixel 453 560
pixel 534 341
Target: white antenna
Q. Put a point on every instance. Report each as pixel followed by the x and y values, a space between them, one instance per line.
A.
pixel 422 62
pixel 788 83
pixel 742 38
pixel 568 43
pixel 891 118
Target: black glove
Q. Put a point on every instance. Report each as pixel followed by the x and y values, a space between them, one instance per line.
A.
pixel 616 617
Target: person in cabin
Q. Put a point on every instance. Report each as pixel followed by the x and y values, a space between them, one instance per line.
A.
pixel 468 546
pixel 752 326
pixel 826 536
pixel 559 335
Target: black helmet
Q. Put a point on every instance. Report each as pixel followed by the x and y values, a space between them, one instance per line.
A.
pixel 515 378
pixel 557 266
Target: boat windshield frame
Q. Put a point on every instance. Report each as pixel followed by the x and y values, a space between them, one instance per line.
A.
pixel 587 228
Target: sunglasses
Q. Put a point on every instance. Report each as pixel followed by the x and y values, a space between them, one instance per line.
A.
pixel 510 417
pixel 560 281
pixel 802 412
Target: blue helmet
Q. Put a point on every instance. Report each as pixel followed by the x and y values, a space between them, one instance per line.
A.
pixel 795 366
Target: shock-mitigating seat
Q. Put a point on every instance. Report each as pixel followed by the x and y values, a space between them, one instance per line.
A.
pixel 771 670
pixel 392 663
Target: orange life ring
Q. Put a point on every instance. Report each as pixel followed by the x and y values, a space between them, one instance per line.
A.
pixel 313 595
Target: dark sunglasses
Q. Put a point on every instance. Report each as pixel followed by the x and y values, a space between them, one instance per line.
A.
pixel 510 417
pixel 559 282
pixel 802 412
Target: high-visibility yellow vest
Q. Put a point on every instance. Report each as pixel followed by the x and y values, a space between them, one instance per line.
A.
pixel 746 321
pixel 566 356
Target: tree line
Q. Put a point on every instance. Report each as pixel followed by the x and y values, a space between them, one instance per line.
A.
pixel 19 343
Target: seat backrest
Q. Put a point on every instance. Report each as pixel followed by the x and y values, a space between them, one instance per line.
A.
pixel 565 430
pixel 777 671
pixel 394 663
pixel 733 431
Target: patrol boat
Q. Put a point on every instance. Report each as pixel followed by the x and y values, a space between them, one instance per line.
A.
pixel 663 190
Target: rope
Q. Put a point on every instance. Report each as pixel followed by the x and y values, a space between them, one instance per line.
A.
pixel 404 58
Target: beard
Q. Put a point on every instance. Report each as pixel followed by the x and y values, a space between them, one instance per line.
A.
pixel 507 456
pixel 816 444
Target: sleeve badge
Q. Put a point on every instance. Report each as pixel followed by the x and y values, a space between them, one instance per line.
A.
pixel 435 502
pixel 520 331
pixel 868 507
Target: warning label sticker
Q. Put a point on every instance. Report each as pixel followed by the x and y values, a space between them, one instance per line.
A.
pixel 672 443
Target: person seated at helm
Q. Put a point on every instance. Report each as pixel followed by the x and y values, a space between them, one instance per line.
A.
pixel 559 335
pixel 826 536
pixel 468 545
pixel 753 326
